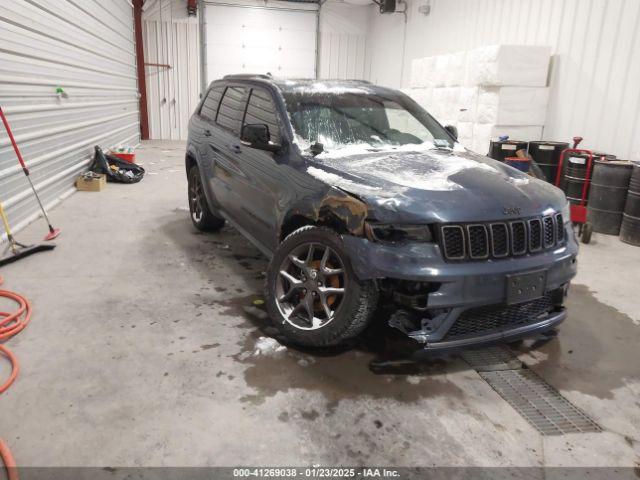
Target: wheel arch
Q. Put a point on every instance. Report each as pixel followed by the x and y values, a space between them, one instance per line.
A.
pixel 189 160
pixel 334 209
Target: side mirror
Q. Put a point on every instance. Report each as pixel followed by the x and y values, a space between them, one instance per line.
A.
pixel 453 131
pixel 257 136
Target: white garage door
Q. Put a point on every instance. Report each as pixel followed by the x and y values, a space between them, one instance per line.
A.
pixel 259 39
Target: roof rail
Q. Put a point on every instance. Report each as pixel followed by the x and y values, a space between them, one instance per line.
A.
pixel 247 75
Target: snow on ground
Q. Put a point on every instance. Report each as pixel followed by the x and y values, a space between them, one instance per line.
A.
pixel 268 346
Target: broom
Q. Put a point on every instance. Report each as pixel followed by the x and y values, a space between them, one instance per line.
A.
pixel 53 232
pixel 17 250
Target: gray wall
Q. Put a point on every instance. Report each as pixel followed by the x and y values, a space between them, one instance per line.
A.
pixel 87 48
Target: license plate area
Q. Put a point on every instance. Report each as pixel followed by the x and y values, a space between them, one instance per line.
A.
pixel 525 287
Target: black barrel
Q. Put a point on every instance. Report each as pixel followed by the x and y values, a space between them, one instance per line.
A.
pixel 502 149
pixel 547 155
pixel 575 173
pixel 630 230
pixel 607 195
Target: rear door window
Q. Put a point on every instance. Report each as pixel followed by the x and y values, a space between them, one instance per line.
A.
pixel 209 107
pixel 232 109
pixel 262 110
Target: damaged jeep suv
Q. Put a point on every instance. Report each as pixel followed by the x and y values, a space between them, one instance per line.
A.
pixel 359 197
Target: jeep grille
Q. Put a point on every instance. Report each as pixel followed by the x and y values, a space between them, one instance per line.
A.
pixel 478 241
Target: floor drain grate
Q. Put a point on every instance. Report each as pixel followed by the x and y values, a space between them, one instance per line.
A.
pixel 491 359
pixel 538 402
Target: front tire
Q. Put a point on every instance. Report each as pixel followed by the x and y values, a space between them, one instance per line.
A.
pixel 313 295
pixel 201 216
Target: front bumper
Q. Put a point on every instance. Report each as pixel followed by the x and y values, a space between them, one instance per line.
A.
pixel 502 335
pixel 461 287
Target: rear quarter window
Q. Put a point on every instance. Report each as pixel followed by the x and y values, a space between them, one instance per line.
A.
pixel 209 107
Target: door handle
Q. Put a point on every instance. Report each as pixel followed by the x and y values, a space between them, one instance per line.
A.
pixel 207 133
pixel 235 148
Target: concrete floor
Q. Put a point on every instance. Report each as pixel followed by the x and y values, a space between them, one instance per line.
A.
pixel 145 349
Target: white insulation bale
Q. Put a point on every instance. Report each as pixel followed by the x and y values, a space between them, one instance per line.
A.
pixel 512 105
pixel 440 70
pixel 445 105
pixel 509 65
pixel 468 103
pixel 416 73
pixel 428 69
pixel 465 129
pixel 456 65
pixel 465 134
pixel 422 96
pixel 426 98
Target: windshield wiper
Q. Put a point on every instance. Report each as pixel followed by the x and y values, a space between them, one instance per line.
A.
pixel 440 144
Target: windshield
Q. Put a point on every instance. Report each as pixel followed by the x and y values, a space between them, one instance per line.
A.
pixel 365 120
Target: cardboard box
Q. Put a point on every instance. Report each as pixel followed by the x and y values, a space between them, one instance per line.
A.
pixel 91 184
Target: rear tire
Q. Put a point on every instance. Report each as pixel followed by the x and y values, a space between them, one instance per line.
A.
pixel 201 216
pixel 314 299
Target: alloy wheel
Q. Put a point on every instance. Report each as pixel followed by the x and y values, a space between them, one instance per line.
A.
pixel 310 286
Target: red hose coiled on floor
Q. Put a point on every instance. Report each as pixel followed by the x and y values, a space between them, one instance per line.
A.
pixel 10 324
pixel 9 462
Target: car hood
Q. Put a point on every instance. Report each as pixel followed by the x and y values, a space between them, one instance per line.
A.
pixel 436 186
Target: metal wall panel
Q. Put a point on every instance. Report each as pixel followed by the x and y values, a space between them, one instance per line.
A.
pixel 595 69
pixel 87 48
pixel 171 38
pixel 343 38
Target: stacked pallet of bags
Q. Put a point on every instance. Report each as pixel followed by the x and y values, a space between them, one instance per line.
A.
pixel 486 92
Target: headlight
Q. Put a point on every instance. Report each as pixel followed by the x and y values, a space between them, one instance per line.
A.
pixel 566 213
pixel 397 233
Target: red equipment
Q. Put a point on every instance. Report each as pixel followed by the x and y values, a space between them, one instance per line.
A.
pixel 578 211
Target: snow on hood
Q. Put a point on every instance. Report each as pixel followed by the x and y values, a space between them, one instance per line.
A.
pixel 438 178
pixel 365 148
pixel 401 169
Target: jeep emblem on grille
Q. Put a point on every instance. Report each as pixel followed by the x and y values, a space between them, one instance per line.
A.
pixel 511 210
